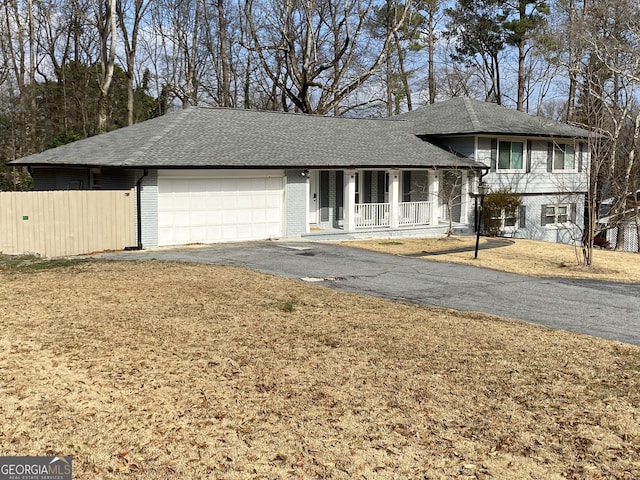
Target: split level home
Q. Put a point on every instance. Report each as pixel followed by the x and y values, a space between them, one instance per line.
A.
pixel 206 175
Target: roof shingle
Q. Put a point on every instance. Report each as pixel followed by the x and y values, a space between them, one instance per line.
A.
pixel 464 116
pixel 231 138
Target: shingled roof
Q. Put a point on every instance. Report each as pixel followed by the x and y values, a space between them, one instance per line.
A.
pixel 464 115
pixel 232 138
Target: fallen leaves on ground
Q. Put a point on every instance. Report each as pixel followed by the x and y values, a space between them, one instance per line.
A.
pixel 154 371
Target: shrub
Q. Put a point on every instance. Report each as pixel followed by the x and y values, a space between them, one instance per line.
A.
pixel 495 204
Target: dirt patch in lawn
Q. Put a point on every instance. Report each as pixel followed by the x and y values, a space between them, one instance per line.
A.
pixel 525 257
pixel 155 371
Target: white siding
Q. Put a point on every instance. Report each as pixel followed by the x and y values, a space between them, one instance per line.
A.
pixel 538 179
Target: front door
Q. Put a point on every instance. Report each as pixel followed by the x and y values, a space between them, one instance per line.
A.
pixel 313 197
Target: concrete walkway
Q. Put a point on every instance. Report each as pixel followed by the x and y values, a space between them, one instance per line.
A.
pixel 603 309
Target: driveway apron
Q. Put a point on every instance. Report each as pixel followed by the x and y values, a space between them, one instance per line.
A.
pixel 602 309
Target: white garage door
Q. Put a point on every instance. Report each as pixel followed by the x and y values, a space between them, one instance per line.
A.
pixel 207 207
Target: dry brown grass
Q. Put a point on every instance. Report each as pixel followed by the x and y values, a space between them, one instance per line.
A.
pixel 157 371
pixel 526 257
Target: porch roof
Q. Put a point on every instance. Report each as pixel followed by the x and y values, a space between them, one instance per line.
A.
pixel 232 138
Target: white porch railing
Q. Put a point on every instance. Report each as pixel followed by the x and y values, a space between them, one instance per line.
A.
pixel 444 212
pixel 373 215
pixel 415 213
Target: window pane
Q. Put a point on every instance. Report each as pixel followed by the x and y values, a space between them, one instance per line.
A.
pixel 558 158
pixel 550 215
pixel 510 220
pixel 562 214
pixel 504 159
pixel 517 150
pixel 569 158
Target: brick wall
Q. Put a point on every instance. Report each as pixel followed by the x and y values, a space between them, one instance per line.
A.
pixel 295 217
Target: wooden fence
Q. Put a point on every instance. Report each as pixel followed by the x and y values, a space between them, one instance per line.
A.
pixel 67 222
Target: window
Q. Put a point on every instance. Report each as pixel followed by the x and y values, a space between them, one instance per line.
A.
pixel 94 178
pixel 510 218
pixel 564 157
pixel 504 219
pixel 511 155
pixel 555 214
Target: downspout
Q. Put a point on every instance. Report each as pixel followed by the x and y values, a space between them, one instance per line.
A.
pixel 139 210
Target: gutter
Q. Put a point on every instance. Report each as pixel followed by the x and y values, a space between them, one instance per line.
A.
pixel 139 211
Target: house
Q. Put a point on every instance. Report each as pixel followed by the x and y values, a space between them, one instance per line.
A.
pixel 545 162
pixel 210 174
pixel 622 230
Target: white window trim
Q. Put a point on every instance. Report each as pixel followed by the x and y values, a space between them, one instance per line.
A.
pixel 557 224
pixel 524 155
pixel 510 228
pixel 576 159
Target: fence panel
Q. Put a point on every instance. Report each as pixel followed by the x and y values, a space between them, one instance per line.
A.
pixel 630 240
pixel 67 222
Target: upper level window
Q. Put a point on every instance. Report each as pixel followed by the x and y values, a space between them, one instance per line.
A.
pixel 564 157
pixel 511 155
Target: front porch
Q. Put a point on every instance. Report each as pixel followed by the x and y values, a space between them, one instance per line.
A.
pixel 386 202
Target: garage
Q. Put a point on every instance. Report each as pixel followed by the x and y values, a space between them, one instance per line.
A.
pixel 208 206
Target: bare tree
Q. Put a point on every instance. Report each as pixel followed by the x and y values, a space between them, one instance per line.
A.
pixel 131 14
pixel 176 50
pixel 104 18
pixel 316 53
pixel 432 14
pixel 19 50
pixel 450 194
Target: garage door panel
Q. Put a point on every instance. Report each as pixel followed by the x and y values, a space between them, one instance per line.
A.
pixel 229 202
pixel 219 209
pixel 198 234
pixel 229 217
pixel 247 201
pixel 259 216
pixel 213 201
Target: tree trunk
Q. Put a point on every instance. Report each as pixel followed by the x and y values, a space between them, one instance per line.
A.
pixel 404 77
pixel 225 86
pixel 109 37
pixel 636 219
pixel 521 75
pixel 620 240
pixel 431 52
pixel 572 67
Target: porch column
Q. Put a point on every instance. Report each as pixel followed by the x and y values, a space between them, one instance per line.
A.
pixel 464 198
pixel 394 198
pixel 434 196
pixel 349 200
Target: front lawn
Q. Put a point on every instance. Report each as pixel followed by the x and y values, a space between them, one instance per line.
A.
pixel 525 257
pixel 156 371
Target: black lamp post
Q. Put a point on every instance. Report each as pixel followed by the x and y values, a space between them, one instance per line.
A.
pixel 483 189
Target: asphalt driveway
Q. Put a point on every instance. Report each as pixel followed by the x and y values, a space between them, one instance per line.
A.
pixel 603 309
